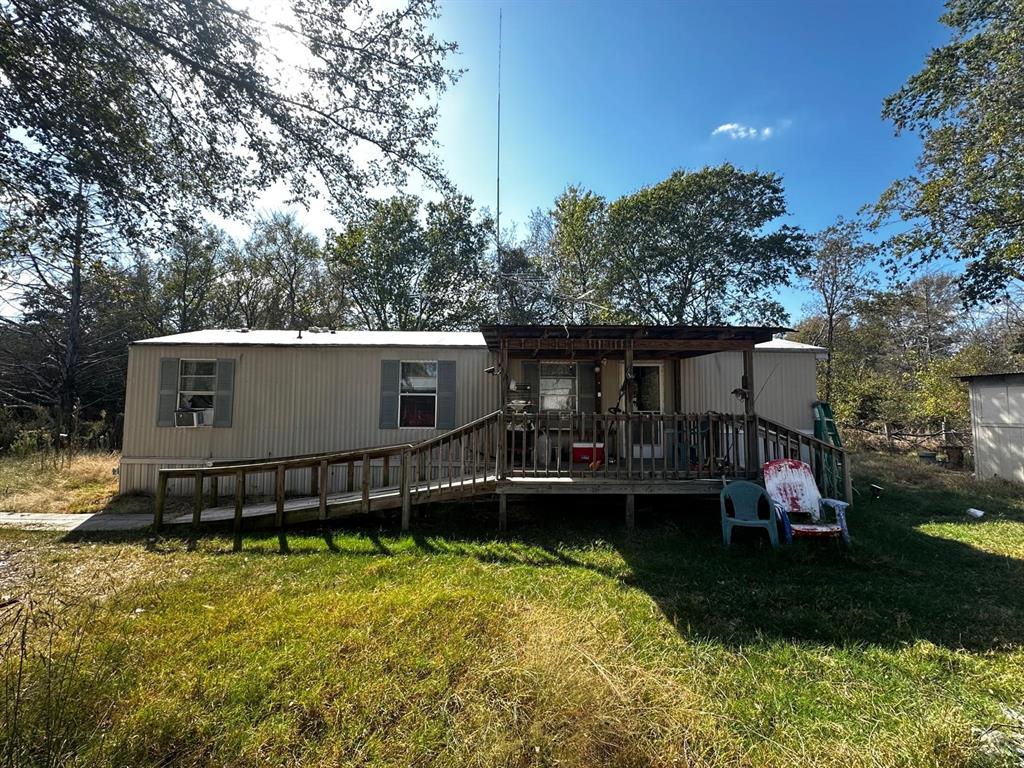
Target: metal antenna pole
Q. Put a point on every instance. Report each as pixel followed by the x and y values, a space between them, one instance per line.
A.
pixel 497 211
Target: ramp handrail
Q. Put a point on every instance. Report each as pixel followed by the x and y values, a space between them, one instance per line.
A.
pixel 456 463
pixel 318 464
pixel 461 461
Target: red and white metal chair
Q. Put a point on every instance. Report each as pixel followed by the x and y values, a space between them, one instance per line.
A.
pixel 802 509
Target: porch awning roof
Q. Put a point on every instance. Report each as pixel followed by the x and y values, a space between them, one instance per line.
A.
pixel 640 338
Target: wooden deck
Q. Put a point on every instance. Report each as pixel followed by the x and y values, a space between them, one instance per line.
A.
pixel 513 454
pixel 305 509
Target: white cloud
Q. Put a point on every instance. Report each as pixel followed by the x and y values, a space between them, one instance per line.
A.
pixel 741 131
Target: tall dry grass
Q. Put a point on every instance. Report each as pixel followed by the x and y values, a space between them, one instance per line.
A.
pixel 82 483
pixel 575 690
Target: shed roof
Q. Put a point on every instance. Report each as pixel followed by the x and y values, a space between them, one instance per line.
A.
pixel 1003 374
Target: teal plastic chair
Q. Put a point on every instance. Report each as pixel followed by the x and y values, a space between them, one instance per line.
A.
pixel 746 498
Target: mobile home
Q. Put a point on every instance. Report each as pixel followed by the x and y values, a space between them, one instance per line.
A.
pixel 619 408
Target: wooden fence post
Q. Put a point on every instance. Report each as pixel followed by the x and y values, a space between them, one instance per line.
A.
pixel 404 490
pixel 366 483
pixel 239 503
pixel 279 496
pixel 161 499
pixel 321 474
pixel 502 447
pixel 197 499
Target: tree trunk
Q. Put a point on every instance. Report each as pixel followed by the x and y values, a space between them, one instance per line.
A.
pixel 72 351
pixel 830 335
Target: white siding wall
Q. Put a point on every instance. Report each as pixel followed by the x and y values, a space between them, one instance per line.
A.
pixel 784 385
pixel 287 401
pixel 997 419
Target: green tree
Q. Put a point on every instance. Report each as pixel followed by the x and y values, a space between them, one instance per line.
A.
pixel 569 242
pixel 193 264
pixel 521 287
pixel 966 200
pixel 898 352
pixel 117 117
pixel 402 270
pixel 839 274
pixel 697 249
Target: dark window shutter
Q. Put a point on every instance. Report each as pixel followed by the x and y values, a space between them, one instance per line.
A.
pixel 224 398
pixel 167 401
pixel 389 374
pixel 531 376
pixel 446 394
pixel 586 388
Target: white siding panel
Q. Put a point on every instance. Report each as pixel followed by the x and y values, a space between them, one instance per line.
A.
pixel 287 401
pixel 997 419
pixel 993 401
pixel 784 385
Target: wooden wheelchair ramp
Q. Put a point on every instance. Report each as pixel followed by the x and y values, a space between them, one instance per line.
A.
pixel 458 464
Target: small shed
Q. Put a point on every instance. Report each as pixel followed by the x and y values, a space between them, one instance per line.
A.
pixel 997 424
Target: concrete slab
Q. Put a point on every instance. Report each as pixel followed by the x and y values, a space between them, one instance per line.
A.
pixel 99 521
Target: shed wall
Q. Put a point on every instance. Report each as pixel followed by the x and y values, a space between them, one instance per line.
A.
pixel 997 420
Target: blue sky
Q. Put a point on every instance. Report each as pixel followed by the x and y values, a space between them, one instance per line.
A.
pixel 617 96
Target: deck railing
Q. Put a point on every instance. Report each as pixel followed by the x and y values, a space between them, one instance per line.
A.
pixel 455 464
pixel 504 446
pixel 652 446
pixel 206 479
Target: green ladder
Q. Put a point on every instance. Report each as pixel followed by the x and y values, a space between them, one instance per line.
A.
pixel 825 424
pixel 825 429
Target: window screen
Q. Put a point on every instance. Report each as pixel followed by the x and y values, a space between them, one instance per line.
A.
pixel 197 385
pixel 417 394
pixel 557 387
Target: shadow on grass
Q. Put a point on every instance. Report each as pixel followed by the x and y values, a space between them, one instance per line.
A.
pixel 899 585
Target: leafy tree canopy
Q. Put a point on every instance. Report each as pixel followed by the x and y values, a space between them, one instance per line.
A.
pixel 404 269
pixel 966 201
pixel 157 104
pixel 569 242
pixel 697 249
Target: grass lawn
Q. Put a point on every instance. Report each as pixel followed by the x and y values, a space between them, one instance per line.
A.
pixel 563 643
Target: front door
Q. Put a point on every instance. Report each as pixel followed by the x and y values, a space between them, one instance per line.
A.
pixel 648 398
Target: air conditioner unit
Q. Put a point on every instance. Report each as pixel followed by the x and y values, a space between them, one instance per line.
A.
pixel 188 418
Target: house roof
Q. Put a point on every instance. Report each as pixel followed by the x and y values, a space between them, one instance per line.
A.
pixel 467 339
pixel 240 337
pixel 785 345
pixel 691 339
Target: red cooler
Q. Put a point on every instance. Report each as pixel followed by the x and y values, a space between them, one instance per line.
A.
pixel 587 453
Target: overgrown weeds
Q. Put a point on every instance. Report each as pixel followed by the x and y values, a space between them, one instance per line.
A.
pixel 83 482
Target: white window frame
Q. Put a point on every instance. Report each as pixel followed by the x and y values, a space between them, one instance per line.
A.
pixel 212 393
pixel 661 381
pixel 540 386
pixel 417 394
